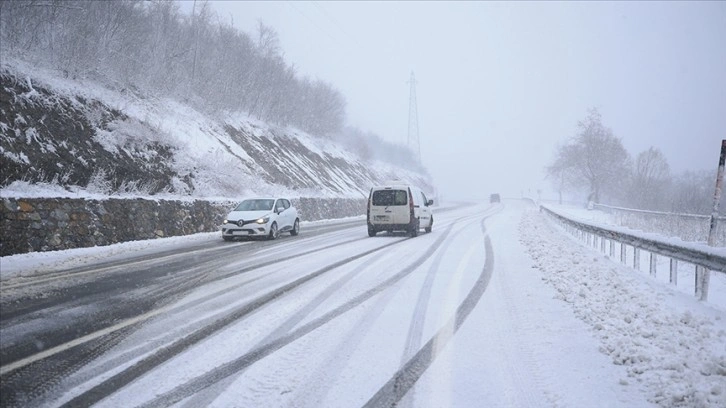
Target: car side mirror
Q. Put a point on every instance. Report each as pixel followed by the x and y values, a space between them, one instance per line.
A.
pixel 430 202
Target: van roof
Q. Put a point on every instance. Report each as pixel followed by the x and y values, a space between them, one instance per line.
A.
pixel 393 185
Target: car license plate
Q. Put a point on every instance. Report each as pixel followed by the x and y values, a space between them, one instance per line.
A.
pixel 381 218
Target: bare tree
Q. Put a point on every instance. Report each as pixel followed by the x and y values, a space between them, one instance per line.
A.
pixel 153 46
pixel 692 192
pixel 561 172
pixel 594 160
pixel 650 181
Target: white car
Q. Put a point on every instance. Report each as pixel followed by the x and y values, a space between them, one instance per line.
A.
pixel 261 217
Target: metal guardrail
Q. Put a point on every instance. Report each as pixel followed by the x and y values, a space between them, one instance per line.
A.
pixel 610 208
pixel 689 227
pixel 703 258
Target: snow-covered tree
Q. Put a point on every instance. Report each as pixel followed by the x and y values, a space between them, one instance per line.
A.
pixel 692 192
pixel 594 160
pixel 154 47
pixel 650 181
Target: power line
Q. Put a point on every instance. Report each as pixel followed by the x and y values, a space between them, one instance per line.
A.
pixel 318 27
pixel 337 25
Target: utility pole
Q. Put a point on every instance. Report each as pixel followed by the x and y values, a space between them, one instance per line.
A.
pixel 413 141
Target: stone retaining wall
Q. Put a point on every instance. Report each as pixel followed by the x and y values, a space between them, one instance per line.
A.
pixel 49 224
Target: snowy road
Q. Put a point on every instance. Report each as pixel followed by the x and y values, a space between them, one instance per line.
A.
pixel 471 314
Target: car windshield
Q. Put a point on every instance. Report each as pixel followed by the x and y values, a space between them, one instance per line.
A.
pixel 255 205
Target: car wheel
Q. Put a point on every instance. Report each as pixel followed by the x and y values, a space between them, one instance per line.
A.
pixel 227 238
pixel 431 224
pixel 371 231
pixel 414 229
pixel 295 228
pixel 274 233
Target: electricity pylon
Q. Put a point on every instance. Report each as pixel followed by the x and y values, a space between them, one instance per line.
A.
pixel 413 142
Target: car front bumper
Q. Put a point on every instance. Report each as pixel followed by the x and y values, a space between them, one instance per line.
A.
pixel 251 230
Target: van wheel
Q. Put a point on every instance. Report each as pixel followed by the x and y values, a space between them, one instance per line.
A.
pixel 228 238
pixel 371 231
pixel 431 224
pixel 414 228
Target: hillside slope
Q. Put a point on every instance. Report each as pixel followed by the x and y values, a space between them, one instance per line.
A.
pixel 81 137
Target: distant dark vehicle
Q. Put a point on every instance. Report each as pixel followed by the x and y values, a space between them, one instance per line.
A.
pixel 494 198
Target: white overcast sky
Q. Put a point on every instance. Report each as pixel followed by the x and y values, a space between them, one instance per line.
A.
pixel 500 84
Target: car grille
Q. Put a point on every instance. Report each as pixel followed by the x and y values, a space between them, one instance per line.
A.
pixel 241 223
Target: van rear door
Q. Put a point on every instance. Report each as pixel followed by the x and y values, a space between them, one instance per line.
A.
pixel 390 206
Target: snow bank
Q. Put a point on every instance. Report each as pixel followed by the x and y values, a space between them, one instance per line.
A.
pixel 671 344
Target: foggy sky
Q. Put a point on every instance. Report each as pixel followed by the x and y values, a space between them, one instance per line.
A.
pixel 501 84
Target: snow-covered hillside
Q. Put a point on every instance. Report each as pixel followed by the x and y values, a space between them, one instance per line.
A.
pixel 92 137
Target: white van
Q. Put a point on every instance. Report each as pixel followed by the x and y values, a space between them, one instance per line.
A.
pixel 398 207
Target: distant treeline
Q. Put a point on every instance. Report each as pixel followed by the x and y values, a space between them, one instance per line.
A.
pixel 594 162
pixel 153 46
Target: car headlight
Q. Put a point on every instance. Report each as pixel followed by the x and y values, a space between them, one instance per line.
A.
pixel 263 220
pixel 225 221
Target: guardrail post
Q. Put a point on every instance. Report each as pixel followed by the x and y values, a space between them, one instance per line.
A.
pixel 636 258
pixel 623 250
pixel 612 249
pixel 602 244
pixel 653 258
pixel 701 282
pixel 674 271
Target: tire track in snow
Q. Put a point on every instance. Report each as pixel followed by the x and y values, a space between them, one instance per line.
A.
pixel 97 268
pixel 236 366
pixel 519 384
pixel 40 373
pixel 336 362
pixel 69 355
pixel 126 376
pixel 402 381
pixel 169 291
pixel 205 397
pixel 415 331
pixel 413 341
pixel 47 375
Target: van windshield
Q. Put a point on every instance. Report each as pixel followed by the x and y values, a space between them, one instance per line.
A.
pixel 390 197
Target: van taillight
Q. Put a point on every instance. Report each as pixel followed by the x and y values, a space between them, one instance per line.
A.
pixel 410 203
pixel 368 207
